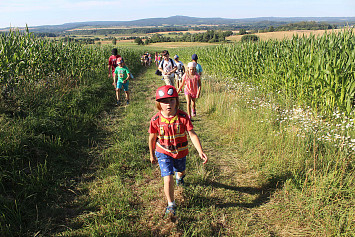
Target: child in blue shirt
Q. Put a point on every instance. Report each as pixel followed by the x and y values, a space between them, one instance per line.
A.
pixel 123 75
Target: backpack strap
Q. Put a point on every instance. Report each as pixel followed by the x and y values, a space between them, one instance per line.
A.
pixel 162 63
pixel 172 63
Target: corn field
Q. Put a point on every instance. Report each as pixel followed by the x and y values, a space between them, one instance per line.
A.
pixel 26 59
pixel 312 71
pixel 51 94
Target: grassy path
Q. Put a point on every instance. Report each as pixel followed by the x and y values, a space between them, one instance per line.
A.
pixel 126 198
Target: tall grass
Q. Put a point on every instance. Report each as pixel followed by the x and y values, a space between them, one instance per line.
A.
pixel 309 158
pixel 311 71
pixel 51 97
pixel 314 179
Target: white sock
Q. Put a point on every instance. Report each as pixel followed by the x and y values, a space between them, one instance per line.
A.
pixel 171 203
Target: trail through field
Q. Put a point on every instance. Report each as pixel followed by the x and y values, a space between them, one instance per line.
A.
pixel 220 198
pixel 227 191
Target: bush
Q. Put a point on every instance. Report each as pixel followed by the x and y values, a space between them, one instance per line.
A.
pixel 246 38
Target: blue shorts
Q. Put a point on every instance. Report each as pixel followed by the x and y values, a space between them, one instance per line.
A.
pixel 125 85
pixel 168 165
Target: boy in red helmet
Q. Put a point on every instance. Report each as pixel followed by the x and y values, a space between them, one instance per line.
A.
pixel 168 141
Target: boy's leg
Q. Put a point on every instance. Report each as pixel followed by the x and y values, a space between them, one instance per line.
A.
pixel 180 174
pixel 167 171
pixel 177 80
pixel 118 94
pixel 125 87
pixel 172 80
pixel 127 97
pixel 169 188
pixel 179 169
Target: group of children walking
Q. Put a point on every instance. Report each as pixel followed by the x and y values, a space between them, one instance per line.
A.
pixel 174 71
pixel 168 144
pixel 120 74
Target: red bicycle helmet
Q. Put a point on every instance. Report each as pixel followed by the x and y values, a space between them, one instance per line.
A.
pixel 166 91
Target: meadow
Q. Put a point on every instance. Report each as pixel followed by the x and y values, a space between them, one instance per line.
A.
pixel 276 119
pixel 280 35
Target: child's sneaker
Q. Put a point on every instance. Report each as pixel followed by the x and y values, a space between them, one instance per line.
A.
pixel 180 182
pixel 117 103
pixel 193 114
pixel 170 210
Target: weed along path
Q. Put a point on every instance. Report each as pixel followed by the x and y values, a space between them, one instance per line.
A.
pixel 222 198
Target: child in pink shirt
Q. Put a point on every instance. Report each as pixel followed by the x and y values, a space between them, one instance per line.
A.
pixel 192 90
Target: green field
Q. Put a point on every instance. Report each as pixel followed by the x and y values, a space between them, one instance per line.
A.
pixel 276 119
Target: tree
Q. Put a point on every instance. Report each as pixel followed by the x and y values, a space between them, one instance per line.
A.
pixel 138 41
pixel 114 41
pixel 246 38
pixel 242 32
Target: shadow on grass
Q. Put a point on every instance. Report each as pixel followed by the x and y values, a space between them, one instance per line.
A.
pixel 262 194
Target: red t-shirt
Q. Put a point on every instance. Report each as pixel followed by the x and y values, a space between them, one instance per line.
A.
pixel 172 137
pixel 112 61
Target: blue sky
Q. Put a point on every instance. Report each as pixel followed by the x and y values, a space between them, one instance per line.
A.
pixel 46 12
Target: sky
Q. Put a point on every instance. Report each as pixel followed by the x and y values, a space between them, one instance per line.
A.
pixel 17 13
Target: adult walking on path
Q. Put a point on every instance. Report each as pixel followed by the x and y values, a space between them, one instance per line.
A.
pixel 180 71
pixel 168 67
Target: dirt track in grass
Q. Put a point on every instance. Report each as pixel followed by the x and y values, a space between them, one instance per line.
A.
pixel 222 198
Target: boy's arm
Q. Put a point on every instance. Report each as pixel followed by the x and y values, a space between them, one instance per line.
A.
pixel 114 79
pixel 128 76
pixel 152 141
pixel 109 71
pixel 196 141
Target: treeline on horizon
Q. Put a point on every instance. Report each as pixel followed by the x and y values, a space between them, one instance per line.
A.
pixel 257 27
pixel 209 36
pixel 263 26
pixel 213 34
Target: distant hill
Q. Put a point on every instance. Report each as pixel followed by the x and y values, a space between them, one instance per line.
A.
pixel 188 21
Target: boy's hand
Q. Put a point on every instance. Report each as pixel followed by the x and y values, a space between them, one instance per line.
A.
pixel 203 157
pixel 153 160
